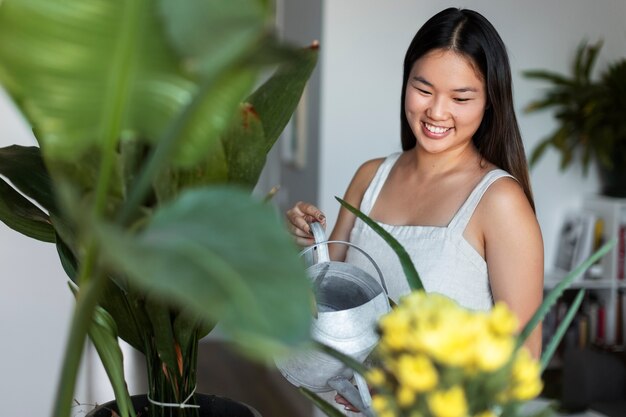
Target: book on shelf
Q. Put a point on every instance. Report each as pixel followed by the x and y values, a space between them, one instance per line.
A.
pixel 612 211
pixel 580 234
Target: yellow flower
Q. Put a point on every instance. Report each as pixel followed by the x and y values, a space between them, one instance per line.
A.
pixel 381 405
pixel 379 402
pixel 375 376
pixel 416 372
pixel 448 403
pixel 395 328
pixel 405 397
pixel 526 380
pixel 494 352
pixel 502 321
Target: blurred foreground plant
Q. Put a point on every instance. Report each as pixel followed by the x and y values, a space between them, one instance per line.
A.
pixel 150 142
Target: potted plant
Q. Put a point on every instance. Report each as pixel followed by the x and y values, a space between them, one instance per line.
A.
pixel 590 115
pixel 150 144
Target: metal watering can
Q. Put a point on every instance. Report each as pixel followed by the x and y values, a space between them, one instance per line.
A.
pixel 349 303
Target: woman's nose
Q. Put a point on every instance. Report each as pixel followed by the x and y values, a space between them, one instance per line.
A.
pixel 437 109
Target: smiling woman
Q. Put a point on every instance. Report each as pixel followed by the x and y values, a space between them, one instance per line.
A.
pixel 450 197
pixel 445 98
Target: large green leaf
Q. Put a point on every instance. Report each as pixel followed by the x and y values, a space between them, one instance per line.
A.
pixel 225 257
pixel 21 215
pixel 214 33
pixel 84 73
pixel 24 167
pixel 264 116
pixel 276 100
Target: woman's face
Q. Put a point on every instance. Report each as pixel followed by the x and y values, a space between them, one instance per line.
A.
pixel 445 100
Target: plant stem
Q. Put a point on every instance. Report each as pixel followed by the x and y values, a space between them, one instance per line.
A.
pixel 112 118
pixel 86 302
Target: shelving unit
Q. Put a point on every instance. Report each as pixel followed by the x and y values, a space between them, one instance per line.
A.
pixel 612 278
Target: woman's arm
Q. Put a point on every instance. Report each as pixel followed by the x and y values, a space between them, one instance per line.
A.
pixel 353 196
pixel 514 252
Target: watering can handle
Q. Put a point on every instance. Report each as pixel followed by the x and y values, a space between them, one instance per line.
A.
pixel 322 245
pixel 320 236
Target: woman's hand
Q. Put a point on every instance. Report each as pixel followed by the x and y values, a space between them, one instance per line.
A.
pixel 299 217
pixel 339 399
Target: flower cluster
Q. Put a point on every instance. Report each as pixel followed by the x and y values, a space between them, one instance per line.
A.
pixel 438 359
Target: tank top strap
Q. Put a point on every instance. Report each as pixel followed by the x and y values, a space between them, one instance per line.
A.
pixel 462 217
pixel 371 194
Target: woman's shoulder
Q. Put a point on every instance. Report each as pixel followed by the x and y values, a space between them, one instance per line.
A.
pixel 505 199
pixel 366 173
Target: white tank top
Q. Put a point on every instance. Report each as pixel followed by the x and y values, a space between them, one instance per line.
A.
pixel 445 261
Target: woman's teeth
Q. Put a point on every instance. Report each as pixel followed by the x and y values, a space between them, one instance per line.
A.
pixel 436 129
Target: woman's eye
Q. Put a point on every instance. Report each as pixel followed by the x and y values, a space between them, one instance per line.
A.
pixel 461 100
pixel 423 91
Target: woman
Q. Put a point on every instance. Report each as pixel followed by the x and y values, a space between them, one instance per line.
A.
pixel 458 197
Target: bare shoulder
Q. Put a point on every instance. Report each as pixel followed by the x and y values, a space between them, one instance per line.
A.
pixel 365 174
pixel 504 212
pixel 505 197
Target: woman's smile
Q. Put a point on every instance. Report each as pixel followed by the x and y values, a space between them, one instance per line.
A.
pixel 434 131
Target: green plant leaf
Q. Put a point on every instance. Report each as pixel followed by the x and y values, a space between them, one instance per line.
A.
pixel 557 291
pixel 553 77
pixel 548 352
pixel 222 255
pixel 264 116
pixel 539 150
pixel 410 272
pixel 103 334
pixel 322 404
pixel 131 80
pixel 133 323
pixel 585 59
pixel 214 34
pixel 21 215
pixel 243 145
pixel 276 100
pixel 162 333
pixel 24 167
pixel 345 359
pixel 104 337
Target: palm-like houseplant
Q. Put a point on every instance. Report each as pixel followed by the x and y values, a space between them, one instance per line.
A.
pixel 590 115
pixel 150 143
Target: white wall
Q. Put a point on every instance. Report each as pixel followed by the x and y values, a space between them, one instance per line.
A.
pixel 361 63
pixel 35 311
pixel 35 305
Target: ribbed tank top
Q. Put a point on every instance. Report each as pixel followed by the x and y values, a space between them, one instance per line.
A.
pixel 445 261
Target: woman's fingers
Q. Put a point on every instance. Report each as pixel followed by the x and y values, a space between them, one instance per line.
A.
pixel 299 217
pixel 346 404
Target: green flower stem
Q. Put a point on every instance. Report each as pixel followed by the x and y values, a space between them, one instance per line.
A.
pixel 86 302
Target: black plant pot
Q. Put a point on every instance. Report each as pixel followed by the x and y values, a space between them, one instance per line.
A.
pixel 210 406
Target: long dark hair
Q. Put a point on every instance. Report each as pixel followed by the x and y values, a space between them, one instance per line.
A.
pixel 467 32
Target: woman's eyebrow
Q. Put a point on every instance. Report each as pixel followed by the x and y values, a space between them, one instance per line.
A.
pixel 456 90
pixel 422 80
